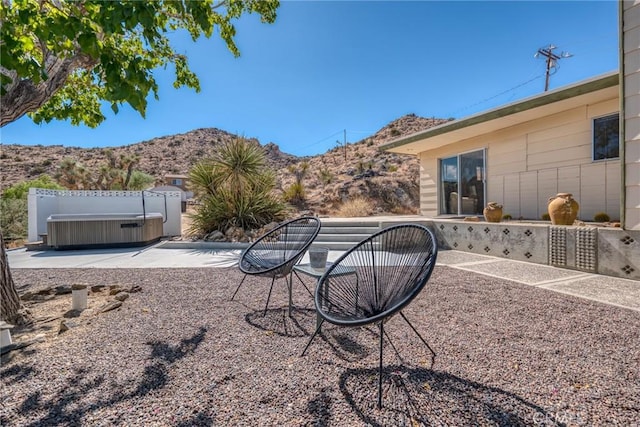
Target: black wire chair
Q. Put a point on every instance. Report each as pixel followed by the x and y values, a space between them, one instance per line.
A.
pixel 275 253
pixel 388 270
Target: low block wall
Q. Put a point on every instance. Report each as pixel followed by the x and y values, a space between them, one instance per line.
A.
pixel 601 250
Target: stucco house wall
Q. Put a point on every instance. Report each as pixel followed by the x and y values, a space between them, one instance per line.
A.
pixel 529 162
pixel 630 73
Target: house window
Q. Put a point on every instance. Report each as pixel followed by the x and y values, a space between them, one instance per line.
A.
pixel 176 181
pixel 606 137
pixel 462 184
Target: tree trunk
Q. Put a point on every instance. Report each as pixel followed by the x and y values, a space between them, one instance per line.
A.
pixel 23 96
pixel 11 309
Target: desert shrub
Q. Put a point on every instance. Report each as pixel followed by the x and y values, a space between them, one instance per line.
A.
pixel 326 176
pixel 392 168
pixel 21 189
pixel 395 132
pixel 13 218
pixel 13 208
pixel 234 187
pixel 295 194
pixel 140 180
pixel 545 217
pixel 36 170
pixel 358 206
pixel 507 217
pixel 601 217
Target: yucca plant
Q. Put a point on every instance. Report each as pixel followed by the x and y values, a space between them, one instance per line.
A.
pixel 234 188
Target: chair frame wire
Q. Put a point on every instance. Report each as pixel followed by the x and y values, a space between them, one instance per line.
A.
pixel 289 252
pixel 421 261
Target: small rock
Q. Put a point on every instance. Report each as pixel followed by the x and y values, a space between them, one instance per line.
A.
pixel 97 288
pixel 63 289
pixel 63 327
pixel 121 296
pixel 110 306
pixel 27 296
pixel 72 313
pixel 134 289
pixel 78 287
pixel 214 236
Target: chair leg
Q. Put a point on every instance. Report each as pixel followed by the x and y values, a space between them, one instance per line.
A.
pixel 380 367
pixel 433 353
pixel 303 284
pixel 269 296
pixel 312 337
pixel 290 284
pixel 238 288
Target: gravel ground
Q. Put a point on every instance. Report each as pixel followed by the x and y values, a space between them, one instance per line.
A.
pixel 180 353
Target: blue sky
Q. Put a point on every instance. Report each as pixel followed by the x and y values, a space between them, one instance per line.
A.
pixel 328 66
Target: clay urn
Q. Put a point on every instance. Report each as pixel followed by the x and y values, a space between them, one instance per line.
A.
pixel 562 209
pixel 493 212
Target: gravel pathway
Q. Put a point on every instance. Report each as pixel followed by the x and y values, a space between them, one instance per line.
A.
pixel 179 353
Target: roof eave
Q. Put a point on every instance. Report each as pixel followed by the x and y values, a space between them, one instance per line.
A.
pixel 584 87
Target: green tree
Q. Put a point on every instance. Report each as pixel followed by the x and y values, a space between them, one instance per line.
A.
pixel 13 205
pixel 64 59
pixel 234 188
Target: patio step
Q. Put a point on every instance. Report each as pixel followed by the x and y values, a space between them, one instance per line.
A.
pixel 342 235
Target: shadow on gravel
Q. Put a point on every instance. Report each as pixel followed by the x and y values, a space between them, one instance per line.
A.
pixel 277 321
pixel 71 405
pixel 418 396
pixel 345 343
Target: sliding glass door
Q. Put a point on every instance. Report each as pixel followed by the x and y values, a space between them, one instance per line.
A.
pixel 462 184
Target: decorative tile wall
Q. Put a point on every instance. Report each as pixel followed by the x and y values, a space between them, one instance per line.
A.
pixel 619 253
pixel 609 251
pixel 506 240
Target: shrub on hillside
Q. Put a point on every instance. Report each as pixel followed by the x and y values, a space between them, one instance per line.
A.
pixel 355 207
pixel 295 194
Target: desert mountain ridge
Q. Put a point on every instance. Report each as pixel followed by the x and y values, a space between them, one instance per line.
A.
pixel 360 169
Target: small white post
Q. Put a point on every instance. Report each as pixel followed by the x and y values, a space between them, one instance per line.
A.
pixel 79 297
pixel 5 334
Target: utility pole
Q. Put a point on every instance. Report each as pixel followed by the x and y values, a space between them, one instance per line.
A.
pixel 345 145
pixel 552 59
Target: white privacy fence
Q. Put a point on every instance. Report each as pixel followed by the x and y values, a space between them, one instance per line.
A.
pixel 42 203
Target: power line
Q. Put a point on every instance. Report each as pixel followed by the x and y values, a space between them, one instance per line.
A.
pixel 323 139
pixel 495 96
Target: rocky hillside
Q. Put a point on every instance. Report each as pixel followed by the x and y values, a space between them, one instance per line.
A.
pixel 389 181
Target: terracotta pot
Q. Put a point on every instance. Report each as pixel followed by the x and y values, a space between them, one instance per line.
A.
pixel 493 212
pixel 563 209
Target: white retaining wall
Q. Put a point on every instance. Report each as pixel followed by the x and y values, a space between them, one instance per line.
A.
pixel 42 203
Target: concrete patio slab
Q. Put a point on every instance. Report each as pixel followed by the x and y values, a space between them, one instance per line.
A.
pixel 522 272
pixel 615 291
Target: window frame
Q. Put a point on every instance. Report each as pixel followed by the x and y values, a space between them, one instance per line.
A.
pixel 593 137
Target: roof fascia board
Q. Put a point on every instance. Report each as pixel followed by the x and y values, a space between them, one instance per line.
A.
pixel 507 110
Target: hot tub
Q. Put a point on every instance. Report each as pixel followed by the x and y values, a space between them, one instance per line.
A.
pixel 75 231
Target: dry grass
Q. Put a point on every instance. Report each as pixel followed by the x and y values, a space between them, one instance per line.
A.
pixel 359 206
